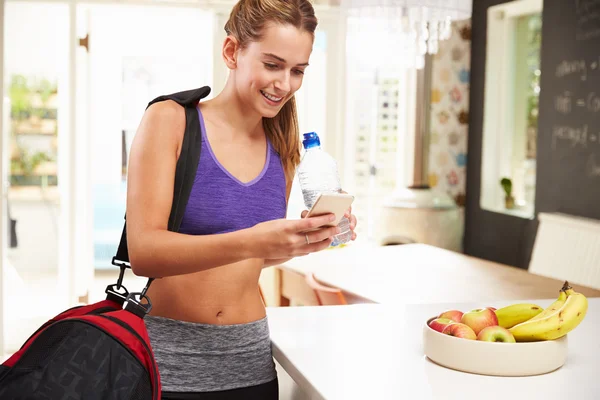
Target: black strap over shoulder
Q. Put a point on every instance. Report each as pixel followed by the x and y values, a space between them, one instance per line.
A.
pixel 185 171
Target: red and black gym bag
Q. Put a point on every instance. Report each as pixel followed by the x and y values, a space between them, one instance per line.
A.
pixel 102 350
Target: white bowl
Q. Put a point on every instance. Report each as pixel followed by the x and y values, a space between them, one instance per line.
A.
pixel 490 358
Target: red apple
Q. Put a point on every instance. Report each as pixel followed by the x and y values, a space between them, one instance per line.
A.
pixel 460 330
pixel 454 315
pixel 491 308
pixel 496 334
pixel 439 324
pixel 479 318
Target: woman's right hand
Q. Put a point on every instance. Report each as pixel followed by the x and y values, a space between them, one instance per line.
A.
pixel 284 238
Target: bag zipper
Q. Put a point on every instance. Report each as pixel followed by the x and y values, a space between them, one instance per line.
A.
pixel 51 321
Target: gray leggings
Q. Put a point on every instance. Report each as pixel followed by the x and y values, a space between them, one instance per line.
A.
pixel 197 358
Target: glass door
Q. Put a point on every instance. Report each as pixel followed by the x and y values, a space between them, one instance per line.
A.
pixel 169 50
pixel 36 134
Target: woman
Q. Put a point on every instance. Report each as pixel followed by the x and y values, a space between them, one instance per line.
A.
pixel 208 325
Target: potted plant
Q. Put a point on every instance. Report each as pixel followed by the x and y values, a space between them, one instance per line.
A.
pixel 509 200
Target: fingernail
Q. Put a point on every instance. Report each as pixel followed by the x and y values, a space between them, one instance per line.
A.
pixel 338 230
pixel 332 217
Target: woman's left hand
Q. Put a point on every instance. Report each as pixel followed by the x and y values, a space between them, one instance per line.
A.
pixel 352 218
pixel 353 221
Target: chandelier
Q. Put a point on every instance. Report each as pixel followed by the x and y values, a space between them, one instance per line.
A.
pixel 402 31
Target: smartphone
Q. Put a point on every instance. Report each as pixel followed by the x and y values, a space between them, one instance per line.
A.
pixel 331 203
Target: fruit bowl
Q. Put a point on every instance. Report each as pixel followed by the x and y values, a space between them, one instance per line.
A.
pixel 491 358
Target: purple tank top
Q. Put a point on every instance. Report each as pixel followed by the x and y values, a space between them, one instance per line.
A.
pixel 221 203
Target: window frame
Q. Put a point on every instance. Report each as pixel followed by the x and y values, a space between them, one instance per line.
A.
pixel 498 136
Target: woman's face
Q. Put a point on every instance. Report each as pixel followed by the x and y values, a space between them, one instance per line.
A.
pixel 269 72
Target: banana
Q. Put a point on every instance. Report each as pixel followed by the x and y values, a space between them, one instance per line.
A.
pixel 517 313
pixel 558 303
pixel 556 324
pixel 514 314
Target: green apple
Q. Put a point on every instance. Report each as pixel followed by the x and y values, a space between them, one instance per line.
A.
pixel 496 334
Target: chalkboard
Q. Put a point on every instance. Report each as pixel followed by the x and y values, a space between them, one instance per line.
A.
pixel 568 154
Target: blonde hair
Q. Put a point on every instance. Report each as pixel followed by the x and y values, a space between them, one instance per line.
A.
pixel 246 23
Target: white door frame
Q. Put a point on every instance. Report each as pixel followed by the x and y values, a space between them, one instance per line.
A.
pixel 332 21
pixel 2 186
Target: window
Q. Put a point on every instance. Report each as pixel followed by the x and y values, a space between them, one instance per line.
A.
pixel 511 108
pixel 379 122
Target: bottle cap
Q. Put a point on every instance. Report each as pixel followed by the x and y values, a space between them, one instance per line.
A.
pixel 311 139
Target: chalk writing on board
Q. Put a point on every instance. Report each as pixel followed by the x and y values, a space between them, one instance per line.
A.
pixel 588 19
pixel 579 68
pixel 572 67
pixel 593 166
pixel 593 102
pixel 563 103
pixel 575 136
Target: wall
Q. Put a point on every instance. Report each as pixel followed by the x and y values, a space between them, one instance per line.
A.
pixel 449 113
pixel 565 182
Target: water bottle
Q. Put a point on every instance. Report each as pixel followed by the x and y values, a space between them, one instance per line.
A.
pixel 317 174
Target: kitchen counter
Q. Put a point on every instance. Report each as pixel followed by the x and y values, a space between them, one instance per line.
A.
pixel 374 351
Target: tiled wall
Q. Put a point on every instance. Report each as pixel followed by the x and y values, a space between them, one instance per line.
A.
pixel 450 113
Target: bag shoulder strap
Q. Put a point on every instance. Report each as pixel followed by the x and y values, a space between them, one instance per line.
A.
pixel 185 171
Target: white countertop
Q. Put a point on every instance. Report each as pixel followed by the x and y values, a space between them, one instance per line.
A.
pixel 374 351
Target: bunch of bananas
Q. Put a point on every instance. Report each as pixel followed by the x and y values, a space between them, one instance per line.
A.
pixel 529 322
